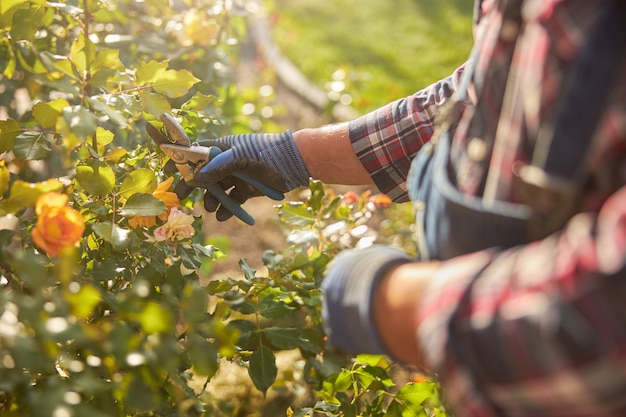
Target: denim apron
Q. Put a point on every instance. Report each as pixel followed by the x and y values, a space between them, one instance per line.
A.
pixel 450 223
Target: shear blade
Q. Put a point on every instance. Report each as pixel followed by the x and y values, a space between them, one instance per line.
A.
pixel 175 129
pixel 157 135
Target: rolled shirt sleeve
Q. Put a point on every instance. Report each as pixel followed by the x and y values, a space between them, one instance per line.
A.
pixel 387 139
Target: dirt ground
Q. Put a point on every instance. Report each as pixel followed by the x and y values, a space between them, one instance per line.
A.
pixel 246 241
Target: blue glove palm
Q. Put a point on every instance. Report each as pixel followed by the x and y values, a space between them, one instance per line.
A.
pixel 272 159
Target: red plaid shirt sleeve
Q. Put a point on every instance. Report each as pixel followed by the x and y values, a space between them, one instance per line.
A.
pixel 386 140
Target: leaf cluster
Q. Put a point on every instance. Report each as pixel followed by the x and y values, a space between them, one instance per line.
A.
pixel 120 325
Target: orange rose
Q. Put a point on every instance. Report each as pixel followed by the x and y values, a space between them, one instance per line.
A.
pixel 350 197
pixel 58 225
pixel 170 200
pixel 381 200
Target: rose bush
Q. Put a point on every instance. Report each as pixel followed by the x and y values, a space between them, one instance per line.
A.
pixel 104 306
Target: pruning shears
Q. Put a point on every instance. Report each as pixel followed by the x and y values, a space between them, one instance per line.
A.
pixel 190 158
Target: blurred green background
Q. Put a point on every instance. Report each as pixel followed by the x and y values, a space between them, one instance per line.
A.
pixel 366 53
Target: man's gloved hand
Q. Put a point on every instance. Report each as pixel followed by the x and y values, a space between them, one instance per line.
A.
pixel 348 290
pixel 272 159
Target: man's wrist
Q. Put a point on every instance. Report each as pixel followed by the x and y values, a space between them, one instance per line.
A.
pixel 396 302
pixel 348 295
pixel 328 155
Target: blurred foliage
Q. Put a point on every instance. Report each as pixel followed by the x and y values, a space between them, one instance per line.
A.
pixel 369 53
pixel 116 321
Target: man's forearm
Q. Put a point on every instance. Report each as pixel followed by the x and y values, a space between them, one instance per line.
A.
pixel 329 157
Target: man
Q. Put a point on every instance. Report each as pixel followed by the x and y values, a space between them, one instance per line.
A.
pixel 517 301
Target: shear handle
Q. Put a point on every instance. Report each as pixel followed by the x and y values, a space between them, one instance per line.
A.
pixel 229 204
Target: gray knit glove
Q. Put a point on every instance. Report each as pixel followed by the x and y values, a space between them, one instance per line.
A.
pixel 272 159
pixel 348 291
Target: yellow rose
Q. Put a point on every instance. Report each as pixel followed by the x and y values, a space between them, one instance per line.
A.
pixel 59 226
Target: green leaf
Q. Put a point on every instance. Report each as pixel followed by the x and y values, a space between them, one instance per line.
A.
pixel 96 177
pixel 9 129
pixel 9 206
pixel 248 271
pixel 217 286
pixel 150 72
pixel 175 83
pixel 394 409
pixel 328 408
pixel 117 116
pixel 107 59
pixel 59 63
pixel 139 181
pixel 82 53
pixel 304 412
pixel 100 80
pixel 155 318
pixel 371 360
pixel 373 378
pixel 348 409
pixel 113 234
pixel 5 178
pixel 273 309
pixel 32 146
pixel 140 394
pixel 296 214
pixel 80 122
pixel 189 257
pixel 45 114
pixel 239 302
pixel 26 193
pixel 84 301
pixel 342 381
pixel 141 204
pixel 194 303
pixel 154 103
pixel 27 22
pixel 103 136
pixel 263 369
pixel 7 58
pixel 31 269
pixel 414 394
pixel 247 331
pixel 198 102
pixel 317 195
pixel 283 338
pixel 29 57
pixel 312 341
pixel 7 9
pixel 203 355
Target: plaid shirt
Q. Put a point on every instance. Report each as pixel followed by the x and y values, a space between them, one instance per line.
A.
pixel 540 329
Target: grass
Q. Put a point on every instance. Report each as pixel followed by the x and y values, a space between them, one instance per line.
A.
pixel 383 50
